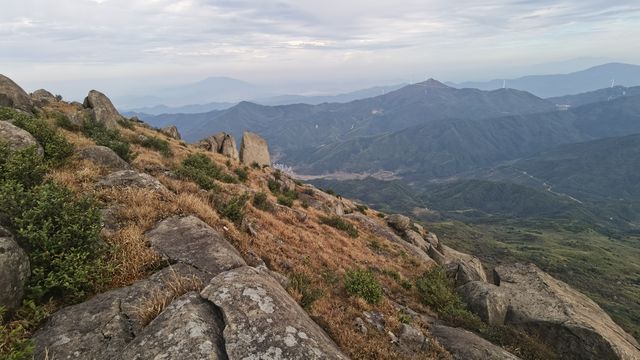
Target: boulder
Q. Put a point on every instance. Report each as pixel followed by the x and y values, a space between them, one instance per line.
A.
pixel 12 95
pixel 436 255
pixel 172 132
pixel 101 327
pixel 412 341
pixel 17 138
pixel 42 98
pixel 131 178
pixel 263 321
pixel 465 345
pixel 568 321
pixel 103 156
pixel 432 239
pixel 191 241
pixel 399 222
pixel 14 271
pixel 485 300
pixel 103 110
pixel 473 265
pixel 254 149
pixel 416 239
pixel 229 147
pixel 189 328
pixel 462 273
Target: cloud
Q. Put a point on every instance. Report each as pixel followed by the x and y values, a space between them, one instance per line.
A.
pixel 354 38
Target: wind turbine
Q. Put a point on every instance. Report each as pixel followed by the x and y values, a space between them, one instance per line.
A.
pixel 613 83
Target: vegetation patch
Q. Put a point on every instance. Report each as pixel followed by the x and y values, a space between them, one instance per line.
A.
pixel 234 208
pixel 157 144
pixel 260 201
pixel 110 138
pixel 363 283
pixel 340 224
pixel 302 284
pixel 200 169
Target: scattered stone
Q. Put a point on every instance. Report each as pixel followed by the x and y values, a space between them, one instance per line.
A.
pixel 360 325
pixel 14 271
pixel 189 328
pixel 110 221
pixel 17 138
pixel 485 300
pixel 172 132
pixel 103 156
pixel 399 222
pixel 568 321
pixel 132 178
pixel 229 147
pixel 191 241
pixel 103 110
pixel 263 321
pixel 374 318
pixel 412 341
pixel 13 96
pixel 465 345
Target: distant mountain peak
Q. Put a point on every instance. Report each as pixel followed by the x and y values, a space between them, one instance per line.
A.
pixel 433 83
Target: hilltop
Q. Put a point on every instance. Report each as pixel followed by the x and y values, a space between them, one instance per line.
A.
pixel 121 241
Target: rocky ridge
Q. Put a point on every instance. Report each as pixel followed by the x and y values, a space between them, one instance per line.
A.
pixel 222 297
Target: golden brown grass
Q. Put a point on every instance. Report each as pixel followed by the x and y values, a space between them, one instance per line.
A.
pixel 176 286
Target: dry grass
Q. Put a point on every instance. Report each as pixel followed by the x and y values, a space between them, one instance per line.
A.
pixel 155 304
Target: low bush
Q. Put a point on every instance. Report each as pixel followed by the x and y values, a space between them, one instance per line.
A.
pixel 200 169
pixel 127 124
pixel 284 200
pixel 14 334
pixel 110 138
pixel 260 201
pixel 24 166
pixel 305 287
pixel 64 122
pixel 233 209
pixel 157 144
pixel 340 224
pixel 363 283
pixel 242 173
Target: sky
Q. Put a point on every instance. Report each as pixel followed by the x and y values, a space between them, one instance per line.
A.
pixel 134 46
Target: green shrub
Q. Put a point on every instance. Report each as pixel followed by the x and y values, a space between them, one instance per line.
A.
pixel 274 186
pixel 260 201
pixel 363 283
pixel 284 200
pixel 110 138
pixel 330 192
pixel 362 208
pixel 160 145
pixel 56 148
pixel 233 209
pixel 200 169
pixel 14 334
pixel 60 232
pixel 64 122
pixel 437 292
pixel 242 173
pixel 127 124
pixel 303 285
pixel 24 166
pixel 340 224
pixel 255 165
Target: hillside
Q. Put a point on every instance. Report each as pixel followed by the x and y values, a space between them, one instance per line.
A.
pixel 545 86
pixel 120 241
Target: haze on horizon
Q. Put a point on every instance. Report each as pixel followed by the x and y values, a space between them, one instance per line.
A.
pixel 128 46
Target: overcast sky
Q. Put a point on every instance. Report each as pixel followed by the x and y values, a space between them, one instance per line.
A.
pixel 128 45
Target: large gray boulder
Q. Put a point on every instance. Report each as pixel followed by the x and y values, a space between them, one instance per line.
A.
pixel 172 132
pixel 101 328
pixel 229 147
pixel 190 328
pixel 465 345
pixel 17 138
pixel 103 110
pixel 485 300
pixel 254 149
pixel 14 271
pixel 471 265
pixel 13 96
pixel 399 222
pixel 213 143
pixel 103 156
pixel 191 241
pixel 574 325
pixel 42 97
pixel 463 272
pixel 131 178
pixel 263 321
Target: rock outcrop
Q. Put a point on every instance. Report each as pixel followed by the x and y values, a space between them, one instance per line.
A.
pixel 263 321
pixel 191 241
pixel 229 147
pixel 103 156
pixel 463 266
pixel 465 345
pixel 254 149
pixel 17 138
pixel 484 300
pixel 103 110
pixel 574 325
pixel 42 98
pixel 131 178
pixel 14 271
pixel 13 96
pixel 172 131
